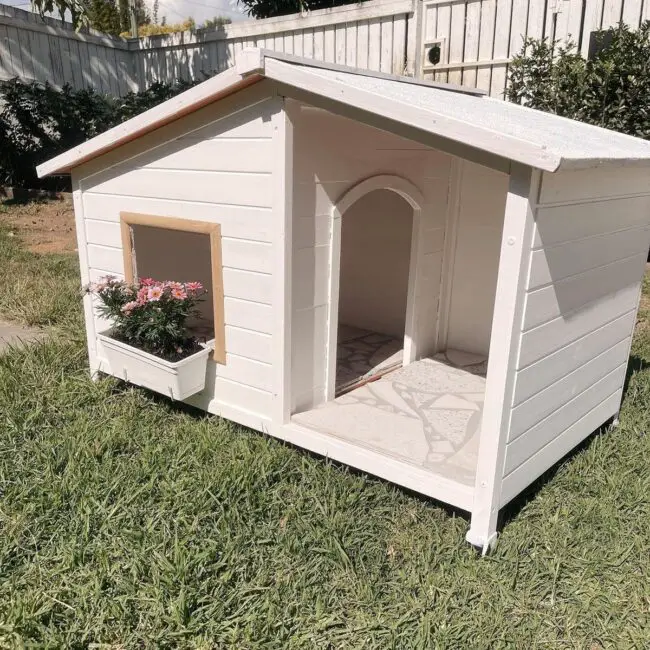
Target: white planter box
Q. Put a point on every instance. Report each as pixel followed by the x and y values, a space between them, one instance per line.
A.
pixel 178 379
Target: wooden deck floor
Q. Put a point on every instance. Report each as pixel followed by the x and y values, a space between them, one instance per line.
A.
pixel 427 414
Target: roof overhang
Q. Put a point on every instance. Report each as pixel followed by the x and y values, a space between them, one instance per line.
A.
pixel 376 95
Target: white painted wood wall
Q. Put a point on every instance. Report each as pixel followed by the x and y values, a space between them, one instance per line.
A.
pixel 478 39
pixel 584 266
pixel 206 169
pixel 373 36
pixel 323 175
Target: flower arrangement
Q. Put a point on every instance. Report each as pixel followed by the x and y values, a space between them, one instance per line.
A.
pixel 151 315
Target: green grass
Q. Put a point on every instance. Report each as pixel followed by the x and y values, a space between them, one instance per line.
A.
pixel 129 522
pixel 37 290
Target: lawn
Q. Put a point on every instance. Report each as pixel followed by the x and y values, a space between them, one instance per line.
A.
pixel 127 522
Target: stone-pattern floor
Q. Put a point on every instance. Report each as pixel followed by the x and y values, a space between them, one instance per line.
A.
pixel 362 354
pixel 427 413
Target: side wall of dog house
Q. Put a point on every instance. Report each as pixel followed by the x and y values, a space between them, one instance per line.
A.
pixel 585 265
pixel 332 154
pixel 217 164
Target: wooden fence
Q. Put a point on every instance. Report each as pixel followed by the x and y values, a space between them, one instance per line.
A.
pixel 477 39
pixel 374 35
pixel 474 41
pixel 50 50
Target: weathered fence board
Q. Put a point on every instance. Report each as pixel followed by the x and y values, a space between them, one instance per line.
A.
pixel 50 50
pixel 476 38
pixel 497 29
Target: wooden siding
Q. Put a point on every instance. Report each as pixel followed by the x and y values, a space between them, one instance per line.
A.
pixel 478 38
pixel 585 264
pixel 374 35
pixel 49 50
pixel 203 180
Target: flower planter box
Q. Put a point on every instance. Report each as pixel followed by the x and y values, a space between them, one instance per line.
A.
pixel 176 379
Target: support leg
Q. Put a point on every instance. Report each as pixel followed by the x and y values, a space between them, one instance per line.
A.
pixel 482 533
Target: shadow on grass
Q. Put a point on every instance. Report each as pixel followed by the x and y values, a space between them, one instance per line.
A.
pixel 510 512
pixel 199 415
pixel 635 364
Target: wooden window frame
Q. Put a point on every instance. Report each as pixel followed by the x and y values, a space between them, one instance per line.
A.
pixel 129 219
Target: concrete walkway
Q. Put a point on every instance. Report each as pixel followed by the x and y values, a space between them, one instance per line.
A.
pixel 11 334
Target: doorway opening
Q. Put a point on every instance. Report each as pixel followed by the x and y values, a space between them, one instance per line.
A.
pixel 373 288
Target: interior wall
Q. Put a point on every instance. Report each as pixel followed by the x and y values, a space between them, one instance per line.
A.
pixel 331 155
pixel 177 256
pixel 375 256
pixel 478 230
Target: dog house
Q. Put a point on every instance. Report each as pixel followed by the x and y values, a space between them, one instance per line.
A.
pixel 429 285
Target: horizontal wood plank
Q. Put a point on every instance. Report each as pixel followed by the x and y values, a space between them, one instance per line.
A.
pixel 247 372
pixel 556 225
pixel 103 232
pixel 529 413
pixel 564 260
pixel 246 255
pixel 554 426
pixel 573 293
pixel 241 396
pixel 249 315
pixel 545 339
pixel 554 366
pixel 590 184
pixel 235 221
pixel 228 155
pixel 247 343
pixel 248 285
pixel 547 456
pixel 183 185
pixel 106 258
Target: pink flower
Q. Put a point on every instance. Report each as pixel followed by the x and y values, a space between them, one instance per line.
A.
pixel 154 294
pixel 193 286
pixel 147 282
pixel 179 293
pixel 129 307
pixel 142 295
pixel 173 285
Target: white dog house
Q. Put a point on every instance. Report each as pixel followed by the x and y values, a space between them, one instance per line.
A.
pixel 429 285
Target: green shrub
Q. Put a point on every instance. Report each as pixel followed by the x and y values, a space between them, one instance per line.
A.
pixel 38 122
pixel 612 89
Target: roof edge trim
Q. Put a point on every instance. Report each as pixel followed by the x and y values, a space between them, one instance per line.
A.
pixel 218 87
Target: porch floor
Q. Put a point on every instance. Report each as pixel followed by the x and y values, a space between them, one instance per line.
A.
pixel 362 354
pixel 427 414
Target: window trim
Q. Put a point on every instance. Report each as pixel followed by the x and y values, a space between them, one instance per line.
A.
pixel 129 219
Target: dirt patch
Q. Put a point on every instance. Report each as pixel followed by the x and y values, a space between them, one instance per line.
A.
pixel 46 226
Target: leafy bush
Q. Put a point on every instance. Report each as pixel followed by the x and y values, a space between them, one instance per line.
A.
pixel 153 29
pixel 150 315
pixel 38 122
pixel 272 8
pixel 612 89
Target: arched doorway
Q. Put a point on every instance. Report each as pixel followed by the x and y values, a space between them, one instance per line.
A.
pixel 372 285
